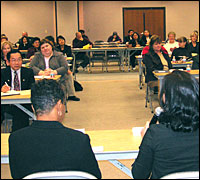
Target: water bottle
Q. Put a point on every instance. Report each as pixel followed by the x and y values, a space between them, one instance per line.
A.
pixel 154 119
pixel 188 68
pixel 174 59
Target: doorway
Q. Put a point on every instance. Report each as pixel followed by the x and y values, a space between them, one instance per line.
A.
pixel 139 19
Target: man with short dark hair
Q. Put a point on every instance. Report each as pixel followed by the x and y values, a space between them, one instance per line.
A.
pixel 79 42
pixel 128 38
pixel 47 145
pixel 16 77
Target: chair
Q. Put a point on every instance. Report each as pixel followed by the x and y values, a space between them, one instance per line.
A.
pixel 98 56
pixel 60 175
pixel 182 175
pixel 150 91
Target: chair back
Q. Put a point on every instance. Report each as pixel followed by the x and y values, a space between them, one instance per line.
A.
pixel 182 175
pixel 60 175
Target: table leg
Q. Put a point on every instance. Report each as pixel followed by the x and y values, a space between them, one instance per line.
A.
pixel 26 111
pixel 140 73
pixel 74 64
pixel 122 167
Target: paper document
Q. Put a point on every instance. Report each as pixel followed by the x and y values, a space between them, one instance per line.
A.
pixel 42 77
pixel 9 93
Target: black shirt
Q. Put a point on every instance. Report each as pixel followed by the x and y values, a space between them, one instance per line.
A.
pixel 50 146
pixel 181 52
pixel 164 151
pixel 67 50
pixel 193 49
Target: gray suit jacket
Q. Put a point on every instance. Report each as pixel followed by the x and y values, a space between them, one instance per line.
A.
pixel 56 62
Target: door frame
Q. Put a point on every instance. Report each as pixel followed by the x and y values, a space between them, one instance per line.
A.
pixel 140 8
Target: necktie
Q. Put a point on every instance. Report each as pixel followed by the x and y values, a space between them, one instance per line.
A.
pixel 16 82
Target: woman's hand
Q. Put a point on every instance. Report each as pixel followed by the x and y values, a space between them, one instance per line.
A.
pixel 145 129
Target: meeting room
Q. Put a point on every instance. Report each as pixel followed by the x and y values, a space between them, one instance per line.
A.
pixel 99 89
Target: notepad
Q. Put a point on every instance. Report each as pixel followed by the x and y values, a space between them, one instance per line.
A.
pixel 97 149
pixel 137 131
pixel 10 93
pixel 81 130
pixel 42 77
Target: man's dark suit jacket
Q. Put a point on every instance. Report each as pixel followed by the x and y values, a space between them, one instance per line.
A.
pixel 27 77
pixel 50 146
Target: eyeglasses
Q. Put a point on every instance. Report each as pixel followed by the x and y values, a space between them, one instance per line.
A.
pixel 16 60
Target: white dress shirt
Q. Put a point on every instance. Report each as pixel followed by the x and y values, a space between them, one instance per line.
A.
pixel 13 77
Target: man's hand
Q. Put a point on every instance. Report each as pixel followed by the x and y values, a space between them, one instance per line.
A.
pixel 5 88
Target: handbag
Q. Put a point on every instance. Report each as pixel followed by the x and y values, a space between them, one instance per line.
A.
pixel 77 86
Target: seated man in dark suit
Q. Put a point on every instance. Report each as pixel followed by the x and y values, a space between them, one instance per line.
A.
pixel 16 77
pixel 47 145
pixel 79 42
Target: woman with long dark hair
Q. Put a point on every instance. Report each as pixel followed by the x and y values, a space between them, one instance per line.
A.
pixel 172 145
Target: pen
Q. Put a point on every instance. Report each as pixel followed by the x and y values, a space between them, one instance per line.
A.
pixel 6 84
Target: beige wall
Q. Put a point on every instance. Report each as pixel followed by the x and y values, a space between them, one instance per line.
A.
pixel 101 18
pixel 67 19
pixel 35 17
pixel 98 18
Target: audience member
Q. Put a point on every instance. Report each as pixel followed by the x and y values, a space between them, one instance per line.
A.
pixel 65 49
pixel 194 45
pixel 114 38
pixel 17 78
pixel 172 144
pixel 52 41
pixel 79 42
pixel 155 59
pixel 24 44
pixel 183 49
pixel 4 38
pixel 135 42
pixel 6 47
pixel 84 36
pixel 195 64
pixel 20 41
pixel 128 38
pixel 146 37
pixel 34 48
pixel 47 145
pixel 171 44
pixel 48 61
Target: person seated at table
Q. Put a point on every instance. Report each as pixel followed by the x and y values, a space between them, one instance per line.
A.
pixel 6 47
pixel 16 77
pixel 194 45
pixel 84 36
pixel 48 145
pixel 52 41
pixel 172 144
pixel 171 43
pixel 48 61
pixel 20 41
pixel 65 49
pixel 4 38
pixel 115 38
pixel 183 49
pixel 62 47
pixel 79 42
pixel 155 59
pixel 34 48
pixel 195 64
pixel 146 37
pixel 24 44
pixel 128 38
pixel 135 42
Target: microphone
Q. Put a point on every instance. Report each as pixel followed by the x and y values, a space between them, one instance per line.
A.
pixel 154 119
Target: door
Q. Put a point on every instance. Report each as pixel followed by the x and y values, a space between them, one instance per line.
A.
pixel 140 19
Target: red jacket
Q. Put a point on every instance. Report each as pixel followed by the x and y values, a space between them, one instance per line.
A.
pixel 146 50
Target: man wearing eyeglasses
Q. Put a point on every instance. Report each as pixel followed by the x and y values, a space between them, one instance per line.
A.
pixel 16 77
